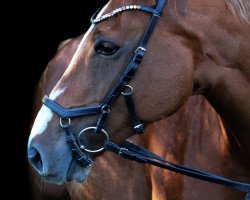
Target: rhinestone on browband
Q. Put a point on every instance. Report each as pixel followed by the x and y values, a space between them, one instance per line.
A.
pixel 114 12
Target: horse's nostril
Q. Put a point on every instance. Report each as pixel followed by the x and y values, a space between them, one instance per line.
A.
pixel 35 159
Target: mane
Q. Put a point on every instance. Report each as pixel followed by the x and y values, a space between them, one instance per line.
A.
pixel 240 8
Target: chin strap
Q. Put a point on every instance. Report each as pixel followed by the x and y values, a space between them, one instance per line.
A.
pixel 139 154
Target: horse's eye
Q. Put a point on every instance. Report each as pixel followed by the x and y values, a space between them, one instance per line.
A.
pixel 106 48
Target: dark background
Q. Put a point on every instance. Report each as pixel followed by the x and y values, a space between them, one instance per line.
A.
pixel 34 30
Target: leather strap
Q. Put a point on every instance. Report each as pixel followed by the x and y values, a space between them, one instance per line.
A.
pixel 102 119
pixel 137 125
pixel 149 31
pixel 70 112
pixel 133 152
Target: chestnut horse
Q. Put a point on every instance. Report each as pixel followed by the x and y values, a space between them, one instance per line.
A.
pixel 193 60
pixel 181 122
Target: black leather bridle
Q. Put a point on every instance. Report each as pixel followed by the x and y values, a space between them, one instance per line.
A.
pixel 127 150
pixel 120 88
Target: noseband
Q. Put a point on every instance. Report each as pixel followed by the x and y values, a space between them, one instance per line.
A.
pixel 127 150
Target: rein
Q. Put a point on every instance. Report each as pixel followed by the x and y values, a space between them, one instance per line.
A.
pixel 139 154
pixel 127 150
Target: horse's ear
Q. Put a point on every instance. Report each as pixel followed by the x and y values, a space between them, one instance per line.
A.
pixel 63 43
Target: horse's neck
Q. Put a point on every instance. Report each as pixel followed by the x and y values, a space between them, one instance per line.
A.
pixel 226 85
pixel 230 96
pixel 221 47
pixel 195 137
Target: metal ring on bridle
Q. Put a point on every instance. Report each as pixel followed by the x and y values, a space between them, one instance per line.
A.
pixel 63 120
pixel 92 128
pixel 130 92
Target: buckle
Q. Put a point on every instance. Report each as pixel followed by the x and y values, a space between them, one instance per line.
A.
pixel 140 49
pixel 65 122
pixel 139 53
pixel 139 129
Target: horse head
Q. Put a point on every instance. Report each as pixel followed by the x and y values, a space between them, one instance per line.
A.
pixel 140 48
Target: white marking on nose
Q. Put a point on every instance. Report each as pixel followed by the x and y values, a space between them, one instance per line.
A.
pixel 44 117
pixel 55 94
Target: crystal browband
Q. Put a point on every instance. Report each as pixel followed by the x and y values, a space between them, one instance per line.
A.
pixel 114 12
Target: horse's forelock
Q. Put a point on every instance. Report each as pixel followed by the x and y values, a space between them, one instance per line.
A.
pixel 241 8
